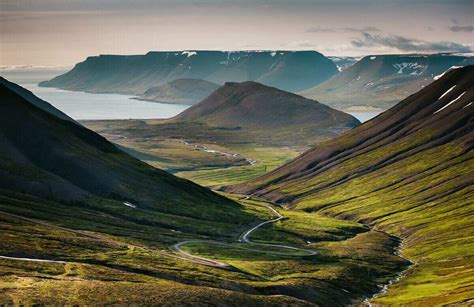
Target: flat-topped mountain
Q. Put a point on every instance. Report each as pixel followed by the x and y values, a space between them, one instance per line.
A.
pixel 407 172
pixel 251 105
pixel 182 91
pixel 288 70
pixel 383 80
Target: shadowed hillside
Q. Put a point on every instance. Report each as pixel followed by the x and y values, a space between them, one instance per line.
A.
pixel 52 158
pixel 407 172
pixel 39 103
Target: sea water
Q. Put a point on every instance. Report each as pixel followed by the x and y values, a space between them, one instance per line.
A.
pixel 81 106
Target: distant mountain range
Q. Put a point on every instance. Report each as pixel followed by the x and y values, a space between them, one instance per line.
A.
pixel 380 81
pixel 181 91
pixel 250 105
pixel 287 70
pixel 408 172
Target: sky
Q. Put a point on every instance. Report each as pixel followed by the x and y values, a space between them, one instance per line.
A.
pixel 62 33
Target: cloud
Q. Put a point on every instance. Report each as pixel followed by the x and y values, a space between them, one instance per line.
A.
pixel 407 44
pixel 458 28
pixel 299 44
pixel 319 29
pixel 361 30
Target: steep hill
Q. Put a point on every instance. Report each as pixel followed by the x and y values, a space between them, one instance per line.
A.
pixel 251 105
pixel 34 100
pixel 382 80
pixel 48 157
pixel 288 70
pixel 407 172
pixel 182 91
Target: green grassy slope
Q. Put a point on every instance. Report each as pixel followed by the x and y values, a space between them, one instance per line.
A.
pixel 407 172
pixel 62 193
pixel 110 254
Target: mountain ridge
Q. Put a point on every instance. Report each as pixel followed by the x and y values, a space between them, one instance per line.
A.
pixel 383 80
pixel 288 70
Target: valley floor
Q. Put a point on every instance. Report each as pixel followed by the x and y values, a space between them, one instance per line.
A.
pixel 208 156
pixel 96 257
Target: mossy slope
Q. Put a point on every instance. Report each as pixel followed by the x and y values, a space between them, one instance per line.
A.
pixel 407 172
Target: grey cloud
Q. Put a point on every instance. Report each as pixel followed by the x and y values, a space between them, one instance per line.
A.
pixel 361 30
pixel 461 28
pixel 320 29
pixel 407 44
pixel 344 29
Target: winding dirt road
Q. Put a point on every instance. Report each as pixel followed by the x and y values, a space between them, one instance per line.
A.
pixel 243 238
pixel 182 254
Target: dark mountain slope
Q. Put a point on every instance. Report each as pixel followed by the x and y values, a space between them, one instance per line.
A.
pixel 183 91
pixel 407 172
pixel 34 100
pixel 251 105
pixel 383 80
pixel 288 70
pixel 43 155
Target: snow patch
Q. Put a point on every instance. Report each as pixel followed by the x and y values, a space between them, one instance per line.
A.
pixel 126 203
pixel 451 102
pixel 31 259
pixel 189 53
pixel 446 92
pixel 467 105
pixel 409 67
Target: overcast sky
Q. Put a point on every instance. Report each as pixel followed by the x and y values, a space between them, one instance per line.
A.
pixel 61 33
